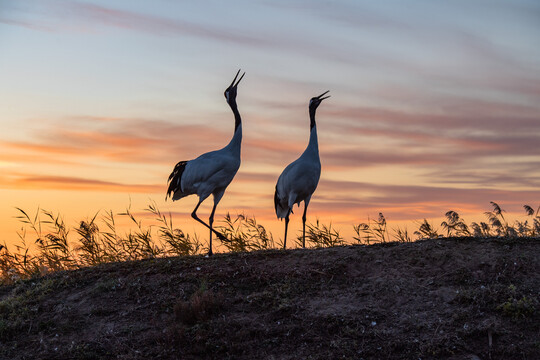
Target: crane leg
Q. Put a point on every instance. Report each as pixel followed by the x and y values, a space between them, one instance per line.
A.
pixel 194 215
pixel 211 222
pixel 304 225
pixel 286 227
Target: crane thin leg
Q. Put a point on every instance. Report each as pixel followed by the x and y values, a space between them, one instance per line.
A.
pixel 211 222
pixel 304 225
pixel 286 227
pixel 194 215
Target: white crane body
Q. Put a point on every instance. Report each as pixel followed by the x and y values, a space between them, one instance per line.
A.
pixel 211 172
pixel 300 178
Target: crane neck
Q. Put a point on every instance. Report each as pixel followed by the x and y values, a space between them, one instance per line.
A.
pixel 236 141
pixel 237 118
pixel 313 146
pixel 312 111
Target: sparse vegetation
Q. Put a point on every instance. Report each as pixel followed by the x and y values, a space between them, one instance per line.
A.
pixel 179 243
pixel 455 226
pixel 518 306
pixel 245 234
pixel 201 306
pixel 426 231
pixel 372 231
pixel 98 241
pixel 443 298
pixel 319 235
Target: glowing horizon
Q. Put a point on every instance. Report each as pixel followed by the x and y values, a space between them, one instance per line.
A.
pixel 434 107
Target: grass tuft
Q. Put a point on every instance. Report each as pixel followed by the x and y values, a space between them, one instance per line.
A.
pixel 320 235
pixel 179 242
pixel 200 307
pixel 374 231
pixel 245 234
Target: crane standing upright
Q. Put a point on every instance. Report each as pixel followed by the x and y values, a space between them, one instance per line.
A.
pixel 212 172
pixel 299 180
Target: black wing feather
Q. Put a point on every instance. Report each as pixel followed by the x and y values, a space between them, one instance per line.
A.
pixel 175 179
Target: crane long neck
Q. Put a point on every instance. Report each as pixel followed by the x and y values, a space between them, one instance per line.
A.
pixel 236 141
pixel 312 117
pixel 237 118
pixel 313 145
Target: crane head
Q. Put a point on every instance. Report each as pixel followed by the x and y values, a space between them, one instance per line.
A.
pixel 230 92
pixel 315 101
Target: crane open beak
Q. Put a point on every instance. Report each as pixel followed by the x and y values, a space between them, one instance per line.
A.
pixel 324 93
pixel 241 77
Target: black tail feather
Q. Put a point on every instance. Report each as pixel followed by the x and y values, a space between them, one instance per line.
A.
pixel 175 179
pixel 281 209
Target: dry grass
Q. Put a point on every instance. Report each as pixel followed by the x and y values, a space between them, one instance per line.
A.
pixel 320 235
pixel 201 306
pixel 245 234
pixel 96 240
pixel 374 231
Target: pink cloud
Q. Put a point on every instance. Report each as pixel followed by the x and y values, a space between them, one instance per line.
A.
pixel 406 202
pixel 126 140
pixel 42 182
pixel 423 141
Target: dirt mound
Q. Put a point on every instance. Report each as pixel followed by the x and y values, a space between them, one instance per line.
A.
pixel 444 298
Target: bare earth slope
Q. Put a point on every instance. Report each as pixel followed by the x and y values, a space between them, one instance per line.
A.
pixel 434 299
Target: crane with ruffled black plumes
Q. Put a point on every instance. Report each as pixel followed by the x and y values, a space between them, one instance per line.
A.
pixel 210 173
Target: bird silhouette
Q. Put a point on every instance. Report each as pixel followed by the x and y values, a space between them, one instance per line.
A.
pixel 211 172
pixel 300 178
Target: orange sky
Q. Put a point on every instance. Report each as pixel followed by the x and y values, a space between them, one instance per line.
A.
pixel 433 107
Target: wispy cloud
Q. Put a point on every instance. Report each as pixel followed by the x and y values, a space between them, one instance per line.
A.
pixel 448 53
pixel 93 16
pixel 481 129
pixel 450 113
pixel 512 175
pixel 122 140
pixel 405 202
pixel 88 17
pixel 25 24
pixel 355 138
pixel 44 182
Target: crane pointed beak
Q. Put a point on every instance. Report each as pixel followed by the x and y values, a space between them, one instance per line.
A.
pixel 324 93
pixel 232 84
pixel 241 77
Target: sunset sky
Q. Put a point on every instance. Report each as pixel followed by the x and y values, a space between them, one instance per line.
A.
pixel 435 105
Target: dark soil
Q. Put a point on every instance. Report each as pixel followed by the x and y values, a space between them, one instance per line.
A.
pixel 434 299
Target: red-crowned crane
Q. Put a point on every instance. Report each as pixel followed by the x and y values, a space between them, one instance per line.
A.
pixel 212 172
pixel 300 178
